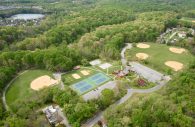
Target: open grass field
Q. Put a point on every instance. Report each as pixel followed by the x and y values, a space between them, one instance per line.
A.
pixel 158 55
pixel 21 86
pixel 68 78
pixel 188 19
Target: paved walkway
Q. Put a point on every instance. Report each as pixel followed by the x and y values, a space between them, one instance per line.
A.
pixel 58 76
pixel 6 88
pixel 65 120
pixel 123 60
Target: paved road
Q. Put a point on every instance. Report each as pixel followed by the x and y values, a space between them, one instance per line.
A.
pixel 58 76
pixel 6 88
pixel 130 92
pixel 93 120
pixel 123 60
pixel 65 120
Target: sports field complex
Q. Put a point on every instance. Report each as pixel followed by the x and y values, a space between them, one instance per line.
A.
pixel 90 83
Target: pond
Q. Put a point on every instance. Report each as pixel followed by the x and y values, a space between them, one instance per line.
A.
pixel 27 16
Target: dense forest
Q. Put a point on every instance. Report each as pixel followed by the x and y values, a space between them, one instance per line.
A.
pixel 75 32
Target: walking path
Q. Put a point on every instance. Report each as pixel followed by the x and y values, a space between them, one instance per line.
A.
pixel 123 59
pixel 91 122
pixel 65 120
pixel 6 88
pixel 58 76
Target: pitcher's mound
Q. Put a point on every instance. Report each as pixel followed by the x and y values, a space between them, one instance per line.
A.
pixel 143 46
pixel 142 56
pixel 41 82
pixel 177 50
pixel 176 66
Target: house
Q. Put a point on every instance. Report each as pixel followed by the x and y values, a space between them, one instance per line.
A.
pixel 52 115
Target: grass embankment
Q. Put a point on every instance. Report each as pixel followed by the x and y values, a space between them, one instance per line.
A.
pixel 20 88
pixel 188 19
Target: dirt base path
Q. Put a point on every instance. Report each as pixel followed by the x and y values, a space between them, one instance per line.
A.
pixel 142 56
pixel 177 50
pixel 176 66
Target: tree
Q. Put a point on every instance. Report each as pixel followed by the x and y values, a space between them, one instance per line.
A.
pixel 107 97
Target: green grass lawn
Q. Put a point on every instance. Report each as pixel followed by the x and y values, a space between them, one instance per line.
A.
pixel 158 55
pixel 69 80
pixel 188 19
pixel 20 88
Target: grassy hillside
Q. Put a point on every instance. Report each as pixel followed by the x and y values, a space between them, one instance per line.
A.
pixel 20 88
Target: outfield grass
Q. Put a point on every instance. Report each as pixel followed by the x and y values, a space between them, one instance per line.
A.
pixel 188 19
pixel 158 55
pixel 20 88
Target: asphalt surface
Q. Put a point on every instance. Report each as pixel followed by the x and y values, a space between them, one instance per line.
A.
pixel 148 73
pixel 94 94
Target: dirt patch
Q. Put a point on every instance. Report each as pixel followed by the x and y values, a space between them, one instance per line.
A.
pixel 177 50
pixel 142 56
pixel 85 72
pixel 193 21
pixel 176 66
pixel 43 81
pixel 76 76
pixel 143 46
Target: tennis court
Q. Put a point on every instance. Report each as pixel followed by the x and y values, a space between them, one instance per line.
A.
pixel 90 83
